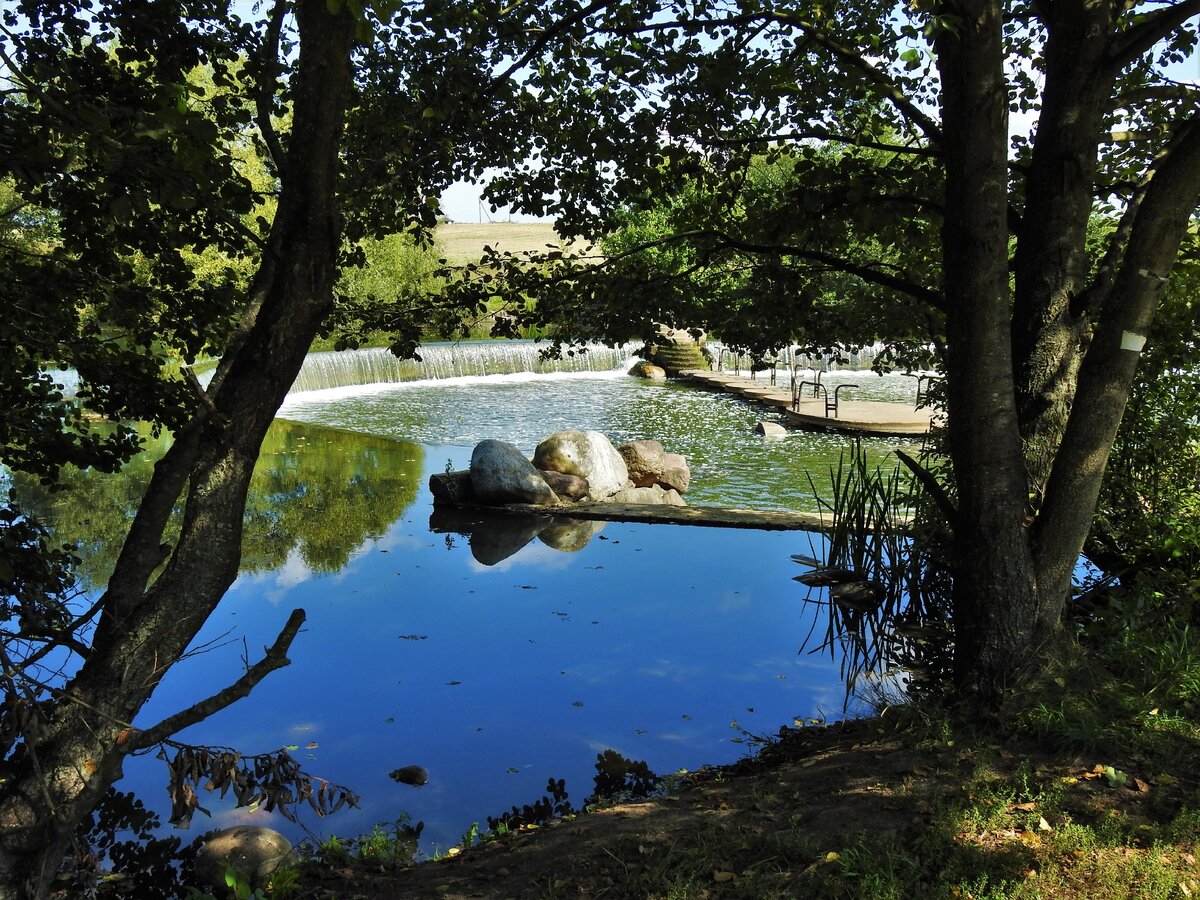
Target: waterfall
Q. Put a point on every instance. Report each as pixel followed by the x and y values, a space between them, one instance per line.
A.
pixel 346 368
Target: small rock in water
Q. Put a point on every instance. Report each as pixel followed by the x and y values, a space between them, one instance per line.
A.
pixel 414 775
pixel 770 429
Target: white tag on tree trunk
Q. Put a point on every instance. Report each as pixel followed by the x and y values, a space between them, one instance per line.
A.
pixel 1131 341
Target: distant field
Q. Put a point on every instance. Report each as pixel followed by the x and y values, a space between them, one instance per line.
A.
pixel 462 243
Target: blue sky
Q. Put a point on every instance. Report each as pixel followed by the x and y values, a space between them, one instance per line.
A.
pixel 461 202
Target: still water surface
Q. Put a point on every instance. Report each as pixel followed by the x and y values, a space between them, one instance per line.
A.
pixel 665 643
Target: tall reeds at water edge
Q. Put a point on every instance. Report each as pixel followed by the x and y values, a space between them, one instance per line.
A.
pixel 881 575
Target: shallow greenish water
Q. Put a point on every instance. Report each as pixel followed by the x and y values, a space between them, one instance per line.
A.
pixel 731 464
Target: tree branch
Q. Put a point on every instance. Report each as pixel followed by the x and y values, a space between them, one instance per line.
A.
pixel 265 93
pixel 548 36
pixel 1138 39
pixel 935 488
pixel 888 89
pixel 824 135
pixel 275 658
pixel 53 643
pixel 837 263
pixel 1142 256
pixel 1098 290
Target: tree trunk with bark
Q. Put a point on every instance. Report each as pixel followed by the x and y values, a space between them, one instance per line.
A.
pixel 145 627
pixel 1038 372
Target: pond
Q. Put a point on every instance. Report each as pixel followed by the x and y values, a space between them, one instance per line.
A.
pixel 495 660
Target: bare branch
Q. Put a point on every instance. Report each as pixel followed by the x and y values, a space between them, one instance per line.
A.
pixel 275 658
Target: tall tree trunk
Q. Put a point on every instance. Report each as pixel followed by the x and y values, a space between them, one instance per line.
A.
pixel 67 768
pixel 1050 316
pixel 1157 222
pixel 994 587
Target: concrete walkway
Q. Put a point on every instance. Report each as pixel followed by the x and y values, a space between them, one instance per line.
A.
pixel 869 417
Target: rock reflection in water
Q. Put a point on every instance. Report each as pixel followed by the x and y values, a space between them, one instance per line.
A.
pixel 494 537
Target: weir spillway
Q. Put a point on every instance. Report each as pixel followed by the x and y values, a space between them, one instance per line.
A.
pixel 346 368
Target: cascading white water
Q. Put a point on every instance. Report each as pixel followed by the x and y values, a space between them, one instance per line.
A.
pixel 346 368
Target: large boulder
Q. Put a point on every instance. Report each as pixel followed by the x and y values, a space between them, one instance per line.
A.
pixel 676 472
pixel 500 473
pixel 253 850
pixel 588 454
pixel 644 460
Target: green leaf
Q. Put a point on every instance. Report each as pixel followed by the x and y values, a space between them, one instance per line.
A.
pixel 1115 777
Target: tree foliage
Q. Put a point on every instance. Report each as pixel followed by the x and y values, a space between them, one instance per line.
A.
pixel 186 184
pixel 1148 522
pixel 911 191
pixel 798 152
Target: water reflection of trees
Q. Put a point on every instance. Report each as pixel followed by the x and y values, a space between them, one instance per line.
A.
pixel 322 493
pixel 127 835
pixel 316 492
pixel 616 778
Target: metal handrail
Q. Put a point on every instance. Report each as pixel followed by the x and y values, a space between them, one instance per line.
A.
pixel 798 391
pixel 819 390
pixel 834 405
pixel 923 392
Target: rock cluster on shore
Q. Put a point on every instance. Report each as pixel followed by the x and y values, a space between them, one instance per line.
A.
pixel 567 467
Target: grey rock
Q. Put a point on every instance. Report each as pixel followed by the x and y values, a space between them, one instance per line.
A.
pixel 253 850
pixel 655 494
pixel 587 454
pixel 770 429
pixel 500 473
pixel 672 497
pixel 644 460
pixel 676 472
